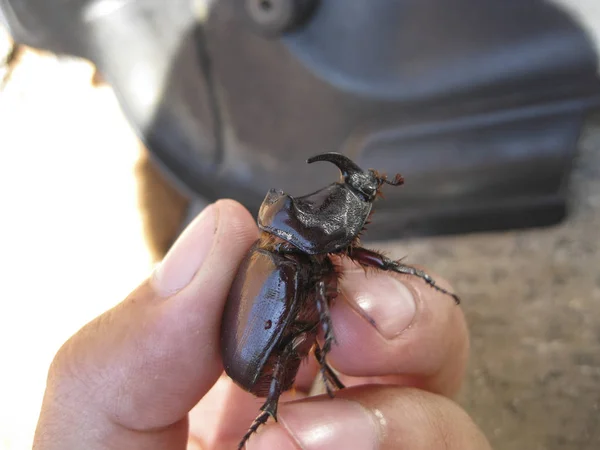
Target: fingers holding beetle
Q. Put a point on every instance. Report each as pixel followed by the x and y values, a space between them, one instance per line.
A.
pixel 130 377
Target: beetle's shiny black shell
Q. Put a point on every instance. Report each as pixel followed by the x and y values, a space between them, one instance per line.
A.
pixel 322 222
pixel 263 302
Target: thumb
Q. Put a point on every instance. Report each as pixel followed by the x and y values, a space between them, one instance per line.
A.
pixel 129 378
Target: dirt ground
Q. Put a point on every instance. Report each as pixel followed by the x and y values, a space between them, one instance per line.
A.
pixel 69 162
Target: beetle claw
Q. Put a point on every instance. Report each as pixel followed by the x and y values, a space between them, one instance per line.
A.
pixel 260 420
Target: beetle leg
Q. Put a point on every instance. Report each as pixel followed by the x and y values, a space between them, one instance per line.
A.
pixel 371 258
pixel 269 408
pixel 326 325
pixel 331 376
pixel 324 316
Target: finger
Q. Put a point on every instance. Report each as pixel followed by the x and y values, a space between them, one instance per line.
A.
pixel 397 327
pixel 382 418
pixel 130 377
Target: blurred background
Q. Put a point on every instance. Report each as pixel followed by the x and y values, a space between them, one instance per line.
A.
pixel 120 120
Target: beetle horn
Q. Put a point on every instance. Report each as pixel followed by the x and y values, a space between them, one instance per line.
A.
pixel 345 164
pixel 365 183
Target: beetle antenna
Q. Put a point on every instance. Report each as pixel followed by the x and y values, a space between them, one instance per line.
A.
pixel 397 181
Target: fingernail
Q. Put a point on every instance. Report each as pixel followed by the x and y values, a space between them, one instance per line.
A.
pixel 186 256
pixel 321 425
pixel 384 301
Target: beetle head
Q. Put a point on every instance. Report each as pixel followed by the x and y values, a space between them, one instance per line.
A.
pixel 364 183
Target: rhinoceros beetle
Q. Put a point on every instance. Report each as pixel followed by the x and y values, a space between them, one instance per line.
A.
pixel 280 297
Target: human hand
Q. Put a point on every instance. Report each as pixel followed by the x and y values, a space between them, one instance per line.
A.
pixel 148 374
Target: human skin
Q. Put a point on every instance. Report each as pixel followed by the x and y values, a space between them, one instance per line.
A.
pixel 147 374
